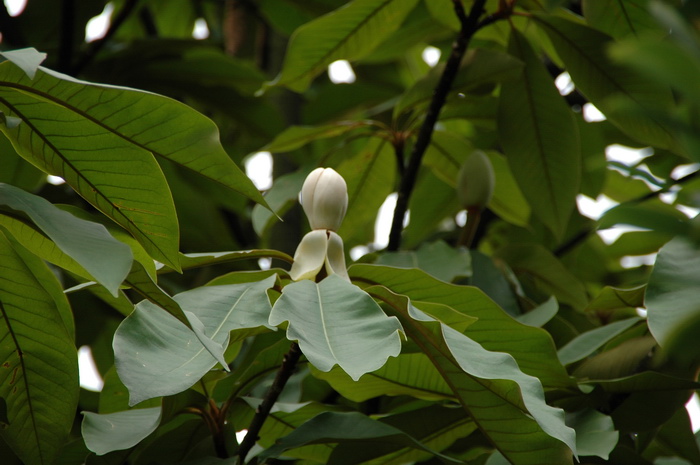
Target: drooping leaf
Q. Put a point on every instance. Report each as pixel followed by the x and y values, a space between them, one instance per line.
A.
pixel 38 358
pixel 540 139
pixel 671 295
pixel 508 200
pixel 156 355
pixel 349 33
pixel 89 244
pixel 607 84
pixel 485 384
pixel 495 330
pixel 595 433
pixel 108 432
pixel 336 323
pixel 330 427
pixel 587 343
pixel 658 217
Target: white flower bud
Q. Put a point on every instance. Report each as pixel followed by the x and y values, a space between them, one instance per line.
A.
pixel 476 181
pixel 324 197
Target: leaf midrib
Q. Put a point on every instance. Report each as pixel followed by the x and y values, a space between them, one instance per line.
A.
pixel 20 355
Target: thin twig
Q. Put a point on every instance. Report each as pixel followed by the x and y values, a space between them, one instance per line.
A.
pixel 469 26
pixel 582 235
pixel 283 374
pixel 97 45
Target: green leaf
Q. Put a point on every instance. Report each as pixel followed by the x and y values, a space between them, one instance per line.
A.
pixel 89 244
pixel 28 59
pixel 331 427
pixel 595 433
pixel 53 106
pixel 283 194
pixel 539 136
pixel 156 355
pixel 620 18
pixel 535 261
pixel 508 201
pixel 370 179
pixel 437 259
pixel 506 404
pixel 295 137
pixel 660 217
pixel 495 330
pixel 671 295
pixel 644 382
pixel 435 426
pixel 349 33
pixel 196 260
pixel 480 69
pixel 445 155
pixel 108 432
pixel 336 323
pixel 38 359
pixel 585 344
pixel 607 84
pixel 406 375
pixel 540 315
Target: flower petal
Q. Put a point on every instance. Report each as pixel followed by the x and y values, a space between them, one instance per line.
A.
pixel 309 256
pixel 335 256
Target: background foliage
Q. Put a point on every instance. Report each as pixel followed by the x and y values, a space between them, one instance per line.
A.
pixel 520 337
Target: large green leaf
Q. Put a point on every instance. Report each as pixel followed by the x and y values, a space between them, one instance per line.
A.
pixel 38 358
pixel 63 119
pixel 595 433
pixel 330 427
pixel 108 432
pixel 88 244
pixel 506 404
pixel 155 355
pixel 671 295
pixel 609 85
pixel 508 201
pixel 349 33
pixel 539 136
pixel 336 323
pixel 495 330
pixel 295 137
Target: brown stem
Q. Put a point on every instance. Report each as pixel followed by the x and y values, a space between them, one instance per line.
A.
pixel 466 237
pixel 283 374
pixel 470 24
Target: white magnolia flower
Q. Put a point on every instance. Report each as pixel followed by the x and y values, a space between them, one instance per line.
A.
pixel 324 197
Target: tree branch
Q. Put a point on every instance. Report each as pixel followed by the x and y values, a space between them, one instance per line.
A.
pixel 470 24
pixel 97 45
pixel 283 374
pixel 582 235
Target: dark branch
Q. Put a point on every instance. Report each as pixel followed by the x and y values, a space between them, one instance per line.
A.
pixel 470 24
pixel 97 45
pixel 286 370
pixel 582 235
